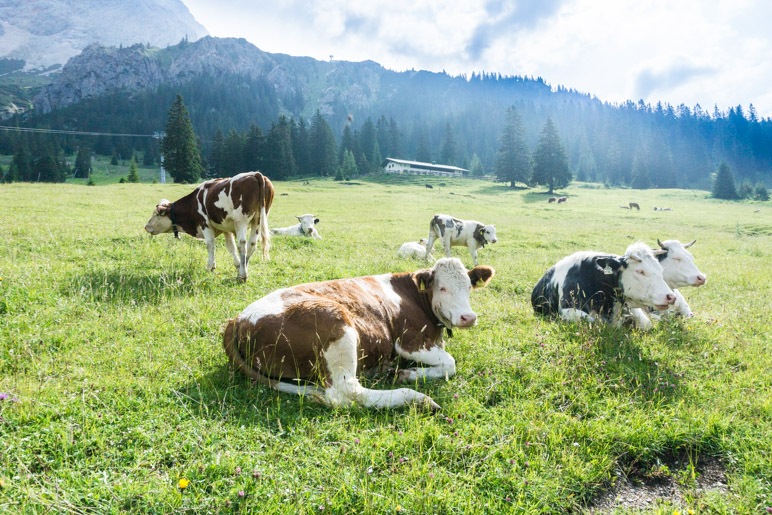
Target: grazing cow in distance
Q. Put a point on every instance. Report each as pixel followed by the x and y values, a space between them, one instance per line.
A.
pixel 306 226
pixel 413 249
pixel 590 285
pixel 679 271
pixel 457 233
pixel 429 186
pixel 634 205
pixel 234 206
pixel 551 200
pixel 561 200
pixel 327 332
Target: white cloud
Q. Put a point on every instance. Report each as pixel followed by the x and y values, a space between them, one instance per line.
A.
pixel 692 51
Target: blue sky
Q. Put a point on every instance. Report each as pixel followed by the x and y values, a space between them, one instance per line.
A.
pixel 711 52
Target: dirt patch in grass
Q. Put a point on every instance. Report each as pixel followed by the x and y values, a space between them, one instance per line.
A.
pixel 665 484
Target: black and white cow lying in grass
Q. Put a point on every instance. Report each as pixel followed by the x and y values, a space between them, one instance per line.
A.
pixel 592 285
pixel 679 271
pixel 306 226
pixel 453 232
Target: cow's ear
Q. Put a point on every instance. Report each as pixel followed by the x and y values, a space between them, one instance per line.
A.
pixel 163 207
pixel 316 220
pixel 481 276
pixel 299 218
pixel 609 264
pixel 423 280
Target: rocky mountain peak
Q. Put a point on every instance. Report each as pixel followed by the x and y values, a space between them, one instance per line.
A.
pixel 45 33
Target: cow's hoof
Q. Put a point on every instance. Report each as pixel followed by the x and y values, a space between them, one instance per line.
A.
pixel 407 374
pixel 431 405
pixel 241 279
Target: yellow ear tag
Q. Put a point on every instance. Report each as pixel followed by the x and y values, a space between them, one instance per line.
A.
pixel 421 285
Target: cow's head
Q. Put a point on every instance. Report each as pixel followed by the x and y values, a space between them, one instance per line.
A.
pixel 448 283
pixel 641 278
pixel 678 265
pixel 486 234
pixel 307 223
pixel 160 222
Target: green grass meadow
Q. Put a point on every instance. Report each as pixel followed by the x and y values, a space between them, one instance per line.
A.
pixel 116 385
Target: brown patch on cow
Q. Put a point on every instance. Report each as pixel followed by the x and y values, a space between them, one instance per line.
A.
pixel 481 276
pixel 291 345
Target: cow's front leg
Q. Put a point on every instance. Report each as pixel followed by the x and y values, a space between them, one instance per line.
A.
pixel 473 252
pixel 640 320
pixel 209 236
pixel 573 315
pixel 440 363
pixel 230 244
pixel 343 387
pixel 680 306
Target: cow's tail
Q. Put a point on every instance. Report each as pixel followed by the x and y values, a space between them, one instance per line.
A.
pixel 237 361
pixel 266 199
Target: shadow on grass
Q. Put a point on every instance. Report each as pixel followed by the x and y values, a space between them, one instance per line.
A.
pixel 139 286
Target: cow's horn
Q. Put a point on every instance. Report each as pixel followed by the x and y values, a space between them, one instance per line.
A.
pixel 660 244
pixel 690 244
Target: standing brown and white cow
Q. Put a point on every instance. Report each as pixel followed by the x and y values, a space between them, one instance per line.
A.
pixel 326 332
pixel 231 206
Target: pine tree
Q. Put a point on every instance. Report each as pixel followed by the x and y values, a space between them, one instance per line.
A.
pixel 449 147
pixel 82 163
pixel 182 158
pixel 513 159
pixel 550 163
pixel 723 186
pixel 324 154
pixel 279 161
pixel 349 167
pixel 133 175
pixel 761 192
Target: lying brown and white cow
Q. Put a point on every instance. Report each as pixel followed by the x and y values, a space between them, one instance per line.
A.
pixel 327 332
pixel 236 205
pixel 458 233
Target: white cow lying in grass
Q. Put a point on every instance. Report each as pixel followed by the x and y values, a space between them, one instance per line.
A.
pixel 413 249
pixel 678 270
pixel 304 227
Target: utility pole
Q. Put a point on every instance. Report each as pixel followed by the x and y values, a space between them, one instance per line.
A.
pixel 159 135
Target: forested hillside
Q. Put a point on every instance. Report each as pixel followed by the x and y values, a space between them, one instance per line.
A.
pixel 233 90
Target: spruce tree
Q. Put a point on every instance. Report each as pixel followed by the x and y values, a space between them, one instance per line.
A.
pixel 182 158
pixel 82 163
pixel 761 192
pixel 513 159
pixel 133 175
pixel 723 186
pixel 550 163
pixel 449 147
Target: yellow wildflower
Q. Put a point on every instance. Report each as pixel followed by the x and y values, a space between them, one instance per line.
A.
pixel 183 483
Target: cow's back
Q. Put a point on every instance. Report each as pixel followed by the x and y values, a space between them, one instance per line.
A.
pixel 245 193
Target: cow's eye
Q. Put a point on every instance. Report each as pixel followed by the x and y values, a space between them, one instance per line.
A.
pixel 640 272
pixel 443 290
pixel 677 260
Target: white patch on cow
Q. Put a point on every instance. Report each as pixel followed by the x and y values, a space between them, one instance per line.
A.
pixel 642 280
pixel 450 293
pixel 271 304
pixel 345 389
